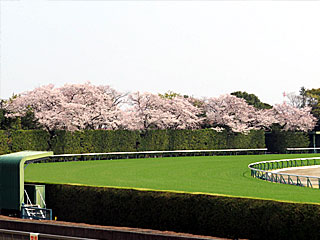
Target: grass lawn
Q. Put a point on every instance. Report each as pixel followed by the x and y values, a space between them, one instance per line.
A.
pixel 227 175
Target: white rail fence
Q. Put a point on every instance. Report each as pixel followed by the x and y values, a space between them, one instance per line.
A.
pixel 267 170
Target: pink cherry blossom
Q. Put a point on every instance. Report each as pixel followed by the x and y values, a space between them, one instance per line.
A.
pixel 153 111
pixel 85 106
pixel 234 113
pixel 71 107
pixel 293 118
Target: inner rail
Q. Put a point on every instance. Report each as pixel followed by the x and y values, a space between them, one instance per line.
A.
pixel 266 170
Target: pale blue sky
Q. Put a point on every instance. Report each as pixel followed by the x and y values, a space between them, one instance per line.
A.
pixel 200 48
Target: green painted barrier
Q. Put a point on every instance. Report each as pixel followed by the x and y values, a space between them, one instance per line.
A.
pixel 12 177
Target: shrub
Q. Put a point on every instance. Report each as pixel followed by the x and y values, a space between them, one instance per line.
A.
pixel 153 140
pixel 123 140
pixel 67 142
pixel 126 141
pixel 197 139
pixel 4 141
pixel 278 141
pixel 219 216
pixel 20 140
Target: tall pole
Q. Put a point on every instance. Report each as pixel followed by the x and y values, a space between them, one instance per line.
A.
pixel 314 142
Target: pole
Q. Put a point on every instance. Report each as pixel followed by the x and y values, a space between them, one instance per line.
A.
pixel 314 142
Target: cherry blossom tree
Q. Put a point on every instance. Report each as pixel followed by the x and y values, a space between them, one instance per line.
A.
pixel 150 111
pixel 292 118
pixel 85 106
pixel 71 107
pixel 183 114
pixel 234 113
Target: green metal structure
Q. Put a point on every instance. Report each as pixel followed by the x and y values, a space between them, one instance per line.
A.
pixel 12 177
pixel 36 194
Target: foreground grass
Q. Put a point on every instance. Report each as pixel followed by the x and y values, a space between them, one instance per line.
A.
pixel 227 175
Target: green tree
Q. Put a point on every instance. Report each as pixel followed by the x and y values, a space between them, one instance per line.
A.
pixel 170 95
pixel 313 101
pixel 6 122
pixel 26 122
pixel 303 94
pixel 252 99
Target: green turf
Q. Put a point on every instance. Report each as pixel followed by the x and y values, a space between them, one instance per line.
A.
pixel 227 175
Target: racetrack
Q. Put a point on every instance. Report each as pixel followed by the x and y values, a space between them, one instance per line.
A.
pixel 218 175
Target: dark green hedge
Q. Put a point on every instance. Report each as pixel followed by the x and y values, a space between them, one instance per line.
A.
pixel 95 141
pixel 255 139
pixel 197 139
pixel 123 140
pixel 19 140
pixel 154 140
pixel 191 213
pixel 278 141
pixel 29 140
pixel 4 143
pixel 203 139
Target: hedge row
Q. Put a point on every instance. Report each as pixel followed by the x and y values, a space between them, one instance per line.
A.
pixel 278 141
pixel 122 140
pixel 190 213
pixel 94 141
pixel 14 141
pixel 4 143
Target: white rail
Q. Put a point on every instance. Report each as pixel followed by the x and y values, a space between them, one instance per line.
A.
pixel 164 152
pixel 265 170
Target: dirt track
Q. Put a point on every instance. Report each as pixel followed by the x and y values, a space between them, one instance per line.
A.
pixel 306 171
pixel 312 171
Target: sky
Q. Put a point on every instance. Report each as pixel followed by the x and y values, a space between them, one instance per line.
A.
pixel 197 48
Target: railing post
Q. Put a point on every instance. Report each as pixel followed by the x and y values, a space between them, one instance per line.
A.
pixel 290 180
pixel 309 182
pixel 282 180
pixel 299 182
